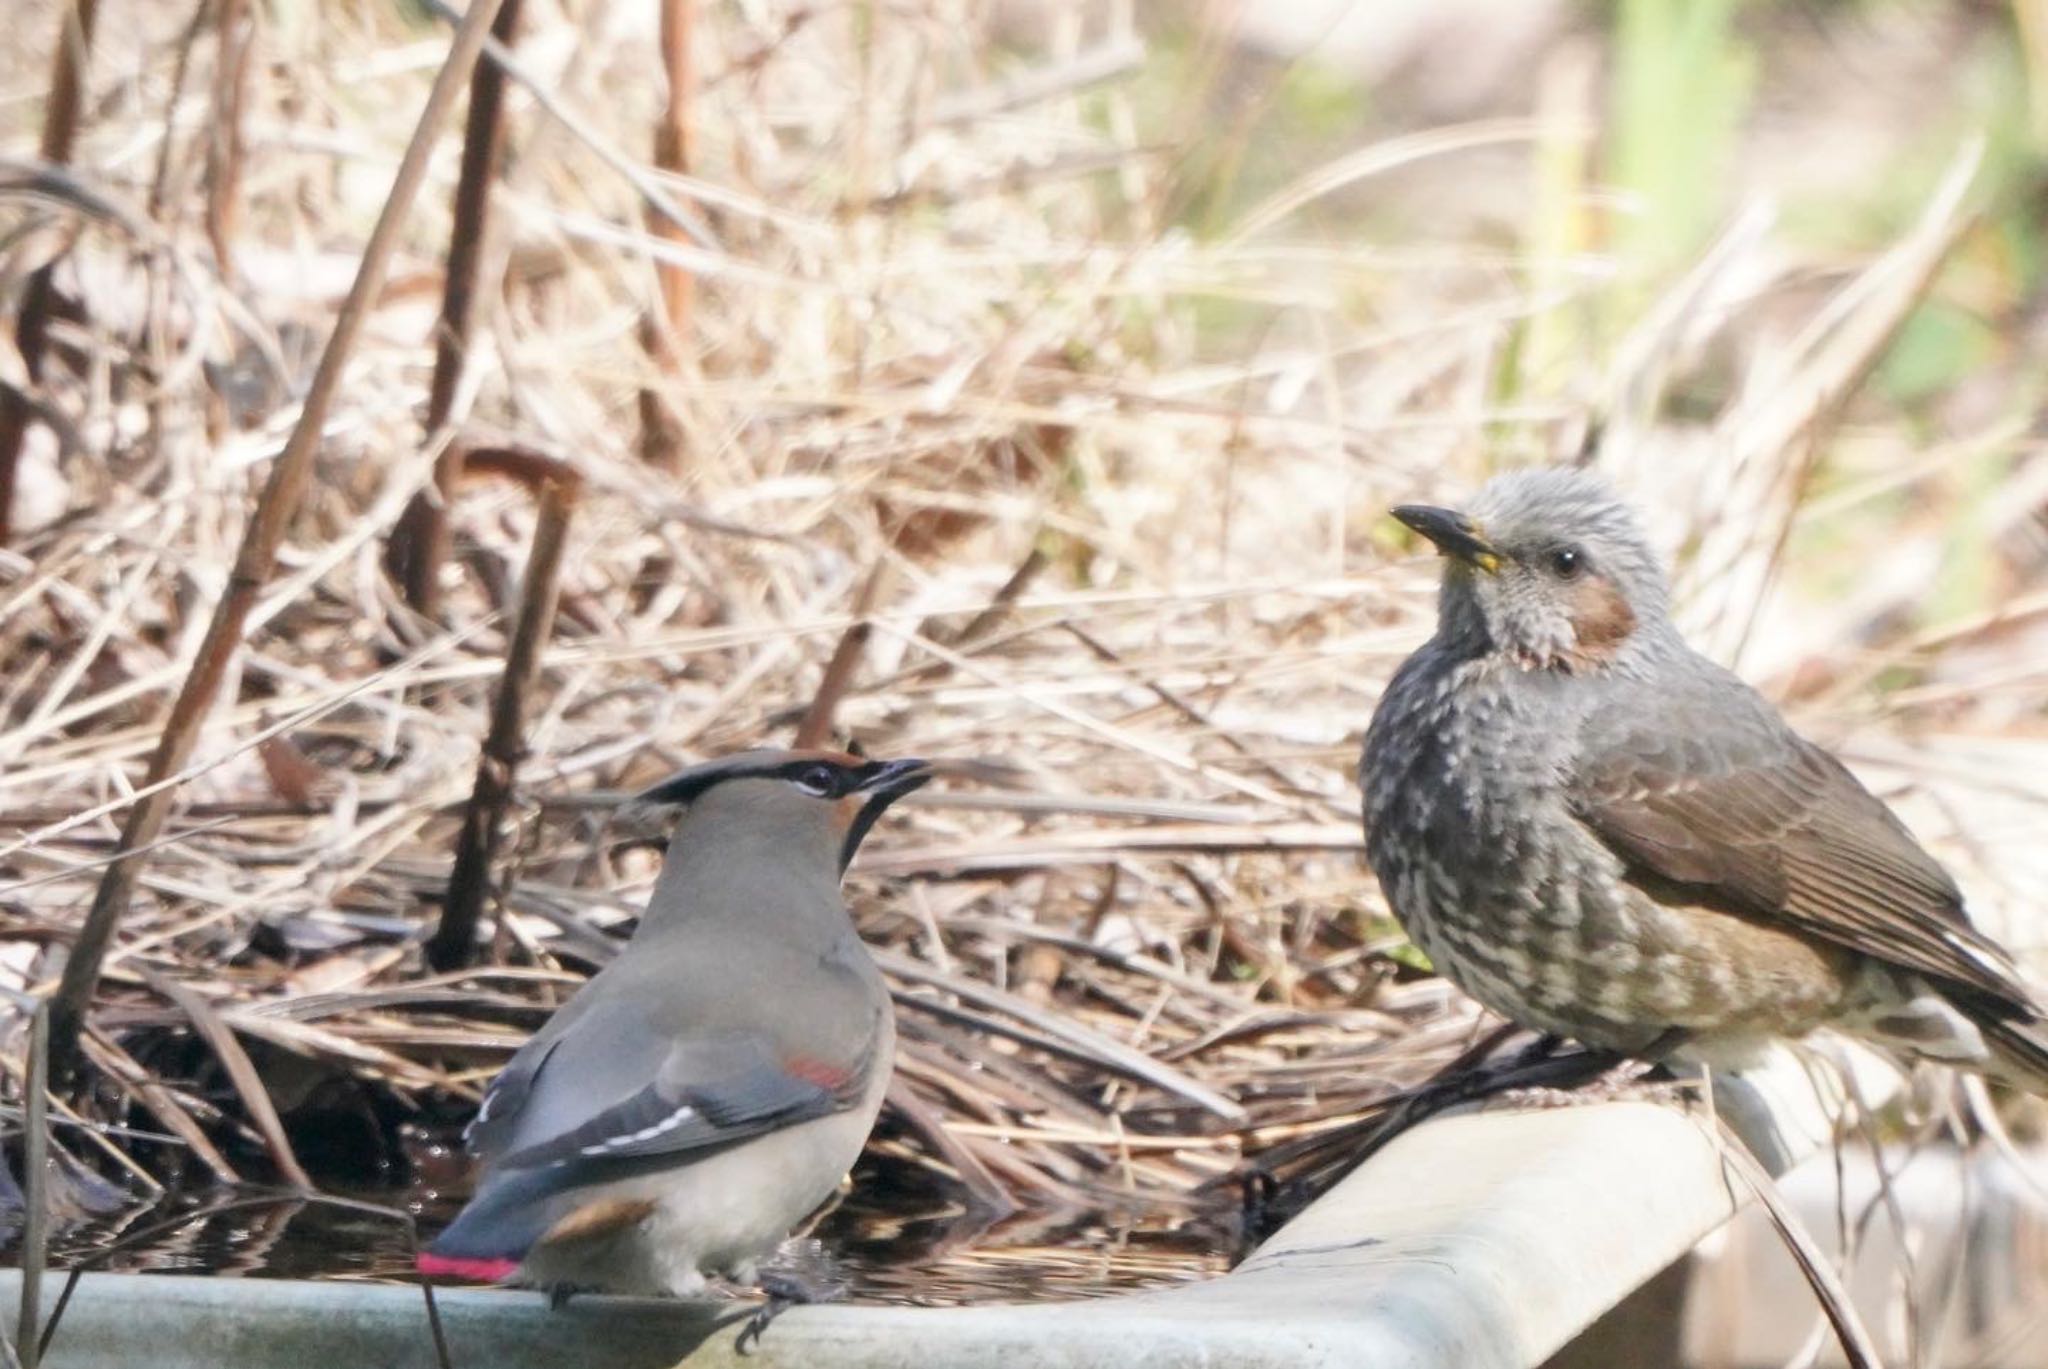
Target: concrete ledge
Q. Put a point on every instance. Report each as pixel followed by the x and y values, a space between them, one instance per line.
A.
pixel 1482 1241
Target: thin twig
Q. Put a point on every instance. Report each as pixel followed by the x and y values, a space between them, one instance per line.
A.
pixel 1858 1349
pixel 483 143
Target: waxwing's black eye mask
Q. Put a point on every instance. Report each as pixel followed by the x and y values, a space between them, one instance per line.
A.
pixel 865 787
pixel 820 780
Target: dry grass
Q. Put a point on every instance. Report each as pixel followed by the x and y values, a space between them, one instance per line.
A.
pixel 1130 569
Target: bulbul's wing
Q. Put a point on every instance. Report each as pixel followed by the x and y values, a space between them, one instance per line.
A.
pixel 615 1075
pixel 1705 787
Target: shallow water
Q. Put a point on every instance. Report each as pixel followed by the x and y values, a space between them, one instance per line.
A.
pixel 887 1247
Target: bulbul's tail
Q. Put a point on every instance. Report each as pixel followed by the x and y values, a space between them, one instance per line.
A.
pixel 2019 1047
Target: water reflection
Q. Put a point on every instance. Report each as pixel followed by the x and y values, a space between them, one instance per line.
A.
pixel 892 1246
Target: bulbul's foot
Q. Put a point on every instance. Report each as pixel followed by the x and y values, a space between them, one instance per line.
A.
pixel 1627 1079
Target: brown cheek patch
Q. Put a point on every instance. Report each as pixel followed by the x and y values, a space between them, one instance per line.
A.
pixel 845 810
pixel 1601 619
pixel 604 1217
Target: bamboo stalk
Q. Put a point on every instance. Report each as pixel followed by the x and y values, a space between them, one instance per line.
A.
pixel 453 944
pixel 257 556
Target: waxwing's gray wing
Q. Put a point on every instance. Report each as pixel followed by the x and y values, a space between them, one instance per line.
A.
pixel 504 1113
pixel 505 1100
pixel 655 1057
pixel 707 1093
pixel 613 1086
pixel 1706 787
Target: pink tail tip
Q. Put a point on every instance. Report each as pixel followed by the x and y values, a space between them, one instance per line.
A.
pixel 460 1267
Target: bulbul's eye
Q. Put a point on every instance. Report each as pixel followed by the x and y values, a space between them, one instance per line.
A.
pixel 1567 562
pixel 821 780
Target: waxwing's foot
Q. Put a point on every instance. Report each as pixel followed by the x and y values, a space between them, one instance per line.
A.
pixel 799 1273
pixel 757 1325
pixel 559 1295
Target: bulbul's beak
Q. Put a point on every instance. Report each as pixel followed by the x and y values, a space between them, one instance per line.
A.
pixel 1453 534
pixel 892 779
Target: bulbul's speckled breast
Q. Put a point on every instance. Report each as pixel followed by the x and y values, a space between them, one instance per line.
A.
pixel 1454 775
pixel 1470 832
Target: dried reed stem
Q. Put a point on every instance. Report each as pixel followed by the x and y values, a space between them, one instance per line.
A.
pixel 453 944
pixel 419 541
pixel 816 727
pixel 35 1185
pixel 668 333
pixel 675 151
pixel 483 144
pixel 256 558
pixel 234 41
pixel 32 328
pixel 242 1073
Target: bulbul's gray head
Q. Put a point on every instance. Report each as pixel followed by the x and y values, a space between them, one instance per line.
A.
pixel 1547 567
pixel 804 802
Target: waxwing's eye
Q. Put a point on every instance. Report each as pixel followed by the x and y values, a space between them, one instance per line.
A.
pixel 1567 562
pixel 822 780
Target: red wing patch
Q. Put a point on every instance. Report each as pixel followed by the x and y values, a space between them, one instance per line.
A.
pixel 812 1070
pixel 460 1267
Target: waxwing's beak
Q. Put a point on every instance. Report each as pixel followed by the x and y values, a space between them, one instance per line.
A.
pixel 1453 533
pixel 879 784
pixel 891 780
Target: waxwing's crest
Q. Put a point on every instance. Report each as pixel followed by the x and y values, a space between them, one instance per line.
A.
pixel 685 786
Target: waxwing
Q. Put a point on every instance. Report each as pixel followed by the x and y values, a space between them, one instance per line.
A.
pixel 711 1086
